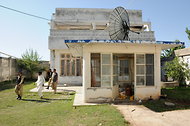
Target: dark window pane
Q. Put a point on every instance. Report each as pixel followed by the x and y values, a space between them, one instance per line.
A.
pixel 150 80
pixel 124 67
pixel 62 67
pixel 68 55
pixel 149 58
pixel 63 56
pixel 149 69
pixel 95 70
pixel 79 66
pixel 73 68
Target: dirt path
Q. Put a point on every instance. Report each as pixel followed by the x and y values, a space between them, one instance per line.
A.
pixel 139 115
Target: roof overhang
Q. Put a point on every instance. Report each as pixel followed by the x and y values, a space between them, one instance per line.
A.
pixel 163 44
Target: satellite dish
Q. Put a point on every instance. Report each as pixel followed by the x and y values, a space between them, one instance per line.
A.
pixel 119 25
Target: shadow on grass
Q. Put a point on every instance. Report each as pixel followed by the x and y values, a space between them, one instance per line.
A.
pixel 159 105
pixel 10 85
pixel 34 100
pixel 49 99
pixel 66 92
pixel 46 99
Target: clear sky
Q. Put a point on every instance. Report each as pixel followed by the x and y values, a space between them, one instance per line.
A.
pixel 19 32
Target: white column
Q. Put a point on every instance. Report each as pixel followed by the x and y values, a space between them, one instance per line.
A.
pixel 52 59
pixel 135 76
pixel 86 74
pixel 157 74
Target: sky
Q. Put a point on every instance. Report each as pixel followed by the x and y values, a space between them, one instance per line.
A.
pixel 18 32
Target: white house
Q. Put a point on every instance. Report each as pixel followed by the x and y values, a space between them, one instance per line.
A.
pixel 83 53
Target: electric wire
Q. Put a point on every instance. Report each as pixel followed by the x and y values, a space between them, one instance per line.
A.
pixel 18 11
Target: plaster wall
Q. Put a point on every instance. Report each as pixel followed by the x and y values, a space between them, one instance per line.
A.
pixel 111 92
pixel 92 15
pixel 7 69
pixel 147 92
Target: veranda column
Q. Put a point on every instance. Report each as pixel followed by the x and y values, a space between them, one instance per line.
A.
pixel 86 74
pixel 157 69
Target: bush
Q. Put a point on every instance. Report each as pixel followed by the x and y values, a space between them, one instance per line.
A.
pixel 178 70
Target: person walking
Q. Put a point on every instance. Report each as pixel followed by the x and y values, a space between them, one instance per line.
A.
pixel 40 82
pixel 49 75
pixel 19 85
pixel 54 80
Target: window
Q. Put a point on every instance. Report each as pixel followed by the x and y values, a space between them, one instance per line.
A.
pixel 106 70
pixel 145 69
pixel 95 70
pixel 124 68
pixel 149 69
pixel 140 69
pixel 115 69
pixel 100 70
pixel 70 66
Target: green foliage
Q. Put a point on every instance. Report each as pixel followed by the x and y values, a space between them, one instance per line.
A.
pixel 170 52
pixel 30 62
pixel 178 70
pixel 180 96
pixel 188 32
pixel 53 110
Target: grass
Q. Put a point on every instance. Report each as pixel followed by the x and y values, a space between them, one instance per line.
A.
pixel 180 96
pixel 54 110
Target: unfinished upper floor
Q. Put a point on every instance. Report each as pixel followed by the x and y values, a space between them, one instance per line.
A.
pixel 91 23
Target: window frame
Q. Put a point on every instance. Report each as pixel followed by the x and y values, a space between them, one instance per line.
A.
pixel 145 70
pixel 65 57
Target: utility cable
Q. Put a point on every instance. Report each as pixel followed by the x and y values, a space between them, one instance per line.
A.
pixel 25 13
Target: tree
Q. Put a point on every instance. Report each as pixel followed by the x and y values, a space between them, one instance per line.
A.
pixel 170 52
pixel 30 62
pixel 178 70
pixel 188 32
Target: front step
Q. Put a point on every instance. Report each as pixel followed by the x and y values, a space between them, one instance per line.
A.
pixel 125 101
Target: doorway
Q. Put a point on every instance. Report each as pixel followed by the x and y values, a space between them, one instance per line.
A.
pixel 123 70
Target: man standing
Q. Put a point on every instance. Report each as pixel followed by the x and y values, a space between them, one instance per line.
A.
pixel 49 75
pixel 19 85
pixel 40 82
pixel 54 80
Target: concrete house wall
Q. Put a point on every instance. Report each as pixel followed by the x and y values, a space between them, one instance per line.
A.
pixel 83 23
pixel 108 93
pixel 93 24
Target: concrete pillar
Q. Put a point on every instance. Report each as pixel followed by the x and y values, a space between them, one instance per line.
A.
pixel 86 74
pixel 52 59
pixel 157 72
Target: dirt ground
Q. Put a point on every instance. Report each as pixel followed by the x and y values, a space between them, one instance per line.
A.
pixel 138 115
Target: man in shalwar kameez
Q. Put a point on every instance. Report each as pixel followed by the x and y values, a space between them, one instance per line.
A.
pixel 40 82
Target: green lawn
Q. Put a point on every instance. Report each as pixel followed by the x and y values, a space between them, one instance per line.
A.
pixel 180 96
pixel 55 110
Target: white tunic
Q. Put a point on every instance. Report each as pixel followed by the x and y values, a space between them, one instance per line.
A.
pixel 40 83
